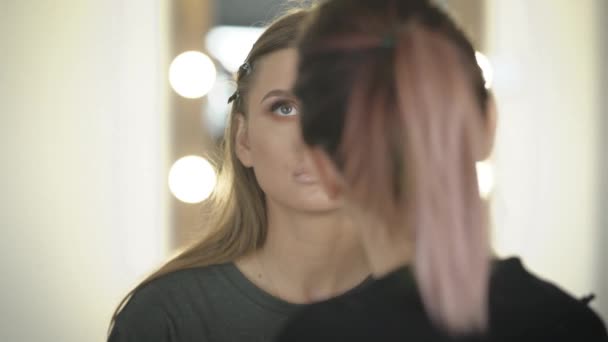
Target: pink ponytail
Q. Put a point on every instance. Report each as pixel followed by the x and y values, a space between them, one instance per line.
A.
pixel 409 151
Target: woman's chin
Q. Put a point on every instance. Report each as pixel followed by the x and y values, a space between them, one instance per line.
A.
pixel 318 202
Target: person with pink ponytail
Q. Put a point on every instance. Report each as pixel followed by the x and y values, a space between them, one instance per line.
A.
pixel 396 114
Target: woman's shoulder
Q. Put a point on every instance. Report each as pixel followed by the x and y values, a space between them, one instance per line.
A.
pixel 189 278
pixel 150 313
pixel 523 304
pixel 523 307
pixel 171 287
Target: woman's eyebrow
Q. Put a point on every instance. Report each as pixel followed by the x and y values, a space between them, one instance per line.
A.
pixel 277 92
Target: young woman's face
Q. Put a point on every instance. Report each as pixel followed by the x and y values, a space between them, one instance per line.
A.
pixel 269 138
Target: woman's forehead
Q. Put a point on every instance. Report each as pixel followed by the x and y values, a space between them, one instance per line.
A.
pixel 276 70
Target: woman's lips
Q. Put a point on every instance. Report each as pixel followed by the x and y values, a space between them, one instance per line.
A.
pixel 304 177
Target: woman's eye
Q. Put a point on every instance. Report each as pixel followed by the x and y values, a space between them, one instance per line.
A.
pixel 284 109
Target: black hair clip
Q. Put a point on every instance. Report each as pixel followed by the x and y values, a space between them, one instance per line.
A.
pixel 246 68
pixel 233 97
pixel 588 298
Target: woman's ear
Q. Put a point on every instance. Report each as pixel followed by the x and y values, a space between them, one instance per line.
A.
pixel 489 134
pixel 241 143
pixel 331 179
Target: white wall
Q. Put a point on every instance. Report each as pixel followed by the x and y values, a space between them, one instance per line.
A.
pixel 546 55
pixel 603 128
pixel 82 140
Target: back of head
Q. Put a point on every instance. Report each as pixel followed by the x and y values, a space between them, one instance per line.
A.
pixel 391 90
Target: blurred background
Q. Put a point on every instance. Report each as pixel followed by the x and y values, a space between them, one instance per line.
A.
pixel 99 106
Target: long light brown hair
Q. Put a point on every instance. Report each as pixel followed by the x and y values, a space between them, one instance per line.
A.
pixel 391 90
pixel 236 219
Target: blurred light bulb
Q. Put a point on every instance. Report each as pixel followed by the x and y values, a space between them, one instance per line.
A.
pixel 192 74
pixel 230 45
pixel 192 179
pixel 485 178
pixel 486 69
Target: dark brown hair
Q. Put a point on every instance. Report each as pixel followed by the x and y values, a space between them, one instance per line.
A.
pixel 392 91
pixel 236 222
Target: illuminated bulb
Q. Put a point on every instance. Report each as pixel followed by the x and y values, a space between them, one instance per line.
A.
pixel 485 178
pixel 192 74
pixel 230 45
pixel 192 179
pixel 486 69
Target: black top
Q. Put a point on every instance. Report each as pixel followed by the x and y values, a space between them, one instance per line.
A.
pixel 522 308
pixel 214 303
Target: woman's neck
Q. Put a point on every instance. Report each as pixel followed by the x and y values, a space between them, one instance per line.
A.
pixel 307 257
pixel 386 248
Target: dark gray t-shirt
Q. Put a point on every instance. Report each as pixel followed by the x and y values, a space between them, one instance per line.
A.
pixel 213 303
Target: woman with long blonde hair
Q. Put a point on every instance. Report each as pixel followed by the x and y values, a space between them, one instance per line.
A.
pixel 274 239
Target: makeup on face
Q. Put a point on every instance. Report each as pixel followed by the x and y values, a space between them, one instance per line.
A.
pixel 282 104
pixel 304 176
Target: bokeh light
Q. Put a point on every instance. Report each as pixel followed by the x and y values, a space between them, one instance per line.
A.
pixel 192 74
pixel 192 179
pixel 230 45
